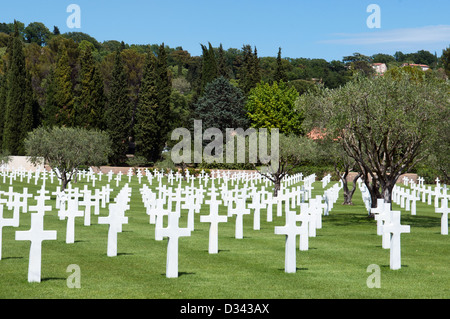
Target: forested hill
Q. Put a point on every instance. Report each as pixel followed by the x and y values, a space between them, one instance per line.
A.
pixel 71 79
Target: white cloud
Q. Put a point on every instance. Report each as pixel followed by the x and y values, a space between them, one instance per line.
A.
pixel 406 36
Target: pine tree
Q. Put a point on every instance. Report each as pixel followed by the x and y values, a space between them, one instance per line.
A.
pixel 280 74
pixel 90 100
pixel 64 97
pixel 209 65
pixel 118 113
pixel 146 128
pixel 18 116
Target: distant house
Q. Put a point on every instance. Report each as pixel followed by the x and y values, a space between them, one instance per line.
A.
pixel 423 67
pixel 379 68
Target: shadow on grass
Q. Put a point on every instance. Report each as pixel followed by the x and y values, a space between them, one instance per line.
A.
pixel 5 258
pixel 124 254
pixel 296 269
pixel 182 273
pixel 53 278
pixel 422 221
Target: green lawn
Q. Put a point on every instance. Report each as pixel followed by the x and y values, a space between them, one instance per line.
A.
pixel 335 266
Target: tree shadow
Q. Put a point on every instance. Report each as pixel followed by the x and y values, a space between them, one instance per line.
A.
pixel 124 254
pixel 52 278
pixel 5 258
pixel 296 269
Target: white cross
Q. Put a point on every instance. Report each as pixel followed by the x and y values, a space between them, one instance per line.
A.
pixel 291 230
pixel 71 213
pixel 257 204
pixel 115 221
pixel 444 210
pixel 214 219
pixel 190 206
pixel 173 232
pixel 240 211
pixel 395 229
pixel 305 218
pixel 36 235
pixel 87 203
pixel 13 222
pixel 40 207
pixel 159 215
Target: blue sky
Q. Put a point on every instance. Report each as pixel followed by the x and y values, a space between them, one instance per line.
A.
pixel 302 28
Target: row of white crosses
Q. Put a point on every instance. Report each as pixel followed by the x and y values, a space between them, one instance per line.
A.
pixel 235 199
pixel 67 204
pixel 116 218
pixel 390 228
pixel 402 196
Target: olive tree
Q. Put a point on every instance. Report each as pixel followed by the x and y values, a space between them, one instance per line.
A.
pixel 386 124
pixel 65 149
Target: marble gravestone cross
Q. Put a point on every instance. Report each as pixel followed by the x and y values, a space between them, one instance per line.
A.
pixel 395 229
pixel 173 232
pixel 36 235
pixel 240 211
pixel 13 222
pixel 115 221
pixel 305 218
pixel 257 204
pixel 444 210
pixel 214 219
pixel 71 213
pixel 291 230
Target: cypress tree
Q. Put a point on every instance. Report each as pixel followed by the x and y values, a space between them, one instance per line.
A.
pixel 209 65
pixel 146 128
pixel 64 96
pixel 164 91
pixel 250 72
pixel 118 113
pixel 2 107
pixel 90 100
pixel 18 116
pixel 50 107
pixel 280 74
pixel 222 68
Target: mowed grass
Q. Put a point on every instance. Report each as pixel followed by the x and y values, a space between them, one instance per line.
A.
pixel 335 266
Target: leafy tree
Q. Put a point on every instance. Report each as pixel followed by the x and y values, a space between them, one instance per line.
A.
pixel 65 149
pixel 273 106
pixel 292 150
pixel 221 106
pixel 118 113
pixel 385 124
pixel 37 32
pixel 445 59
